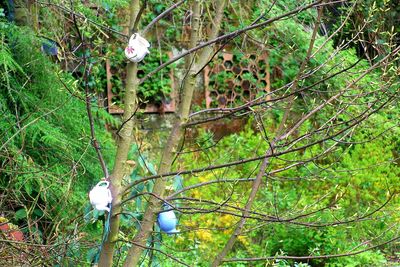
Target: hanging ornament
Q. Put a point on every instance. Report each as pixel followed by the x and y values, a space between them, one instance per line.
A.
pixel 100 196
pixel 137 48
pixel 49 47
pixel 168 221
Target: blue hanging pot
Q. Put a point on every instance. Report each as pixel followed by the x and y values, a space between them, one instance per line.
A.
pixel 50 48
pixel 168 221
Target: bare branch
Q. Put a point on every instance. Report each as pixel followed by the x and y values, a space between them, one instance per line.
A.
pixel 163 14
pixel 313 257
pixel 227 36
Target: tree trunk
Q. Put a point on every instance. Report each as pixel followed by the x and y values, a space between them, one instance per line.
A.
pixel 154 204
pixel 123 146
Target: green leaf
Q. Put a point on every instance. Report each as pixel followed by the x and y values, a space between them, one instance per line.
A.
pixel 138 202
pixel 146 165
pixel 97 213
pixel 178 183
pixel 38 212
pixel 92 254
pixel 134 174
pixel 149 185
pixel 87 212
pixel 28 188
pixel 20 214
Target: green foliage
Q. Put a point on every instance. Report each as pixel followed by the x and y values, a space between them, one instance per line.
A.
pixel 48 165
pixel 155 90
pixel 47 161
pixel 368 188
pixel 159 87
pixel 373 20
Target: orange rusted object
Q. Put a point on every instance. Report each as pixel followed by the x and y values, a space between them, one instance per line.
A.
pixel 11 234
pixel 236 79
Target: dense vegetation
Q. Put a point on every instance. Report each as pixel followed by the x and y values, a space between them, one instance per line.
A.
pixel 335 192
pixel 47 163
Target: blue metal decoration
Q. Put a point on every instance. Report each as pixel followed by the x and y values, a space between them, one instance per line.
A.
pixel 10 10
pixel 50 48
pixel 168 221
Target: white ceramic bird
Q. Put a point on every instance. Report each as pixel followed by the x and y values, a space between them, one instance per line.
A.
pixel 100 196
pixel 137 48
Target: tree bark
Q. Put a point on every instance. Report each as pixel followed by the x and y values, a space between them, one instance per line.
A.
pixel 123 146
pixel 167 158
pixel 176 134
pixel 254 189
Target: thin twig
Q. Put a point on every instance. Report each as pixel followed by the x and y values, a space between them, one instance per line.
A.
pixel 163 14
pixel 312 257
pixel 69 11
pixel 229 35
pixel 86 74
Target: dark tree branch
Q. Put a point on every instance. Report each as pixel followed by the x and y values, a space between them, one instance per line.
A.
pixel 163 14
pixel 312 257
pixel 86 74
pixel 229 35
pixel 69 11
pixel 139 15
pixel 274 154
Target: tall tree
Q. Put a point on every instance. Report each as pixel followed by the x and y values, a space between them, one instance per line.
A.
pixel 312 107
